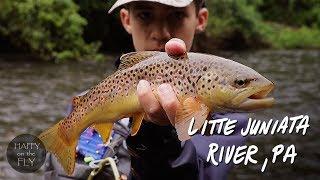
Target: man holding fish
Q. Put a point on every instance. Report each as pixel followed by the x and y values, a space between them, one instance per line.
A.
pixel 161 148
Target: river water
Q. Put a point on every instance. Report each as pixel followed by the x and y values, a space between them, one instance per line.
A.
pixel 34 94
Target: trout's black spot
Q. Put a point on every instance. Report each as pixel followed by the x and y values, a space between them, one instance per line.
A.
pixel 198 79
pixel 209 80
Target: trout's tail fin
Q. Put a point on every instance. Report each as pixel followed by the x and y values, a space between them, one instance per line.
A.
pixel 55 142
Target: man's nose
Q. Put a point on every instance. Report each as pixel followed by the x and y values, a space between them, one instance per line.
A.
pixel 161 33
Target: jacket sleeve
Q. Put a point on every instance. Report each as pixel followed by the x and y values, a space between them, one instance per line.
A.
pixel 195 150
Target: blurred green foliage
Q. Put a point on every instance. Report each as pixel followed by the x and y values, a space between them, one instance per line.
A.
pixel 234 23
pixel 52 29
pixel 281 24
pixel 104 27
pixel 292 12
pixel 67 29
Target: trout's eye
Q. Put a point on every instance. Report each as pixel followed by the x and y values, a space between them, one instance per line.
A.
pixel 240 83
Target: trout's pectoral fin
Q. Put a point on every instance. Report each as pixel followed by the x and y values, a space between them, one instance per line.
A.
pixel 190 108
pixel 104 129
pixel 137 120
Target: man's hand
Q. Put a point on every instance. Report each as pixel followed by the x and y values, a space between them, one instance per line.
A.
pixel 161 112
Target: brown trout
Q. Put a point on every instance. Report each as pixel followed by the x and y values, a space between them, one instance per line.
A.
pixel 203 84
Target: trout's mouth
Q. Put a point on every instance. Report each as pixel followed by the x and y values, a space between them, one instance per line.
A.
pixel 255 98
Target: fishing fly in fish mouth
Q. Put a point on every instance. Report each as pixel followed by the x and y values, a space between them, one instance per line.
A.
pixel 203 83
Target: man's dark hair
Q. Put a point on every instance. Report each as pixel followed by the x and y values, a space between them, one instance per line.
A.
pixel 199 4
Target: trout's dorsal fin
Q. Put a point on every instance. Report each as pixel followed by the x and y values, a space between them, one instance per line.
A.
pixel 189 108
pixel 183 56
pixel 104 129
pixel 136 123
pixel 76 100
pixel 130 59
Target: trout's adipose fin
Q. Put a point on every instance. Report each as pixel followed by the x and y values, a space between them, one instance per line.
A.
pixel 190 108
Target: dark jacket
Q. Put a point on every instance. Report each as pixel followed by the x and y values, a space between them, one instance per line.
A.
pixel 157 153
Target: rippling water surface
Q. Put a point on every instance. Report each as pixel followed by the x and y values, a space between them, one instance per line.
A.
pixel 34 94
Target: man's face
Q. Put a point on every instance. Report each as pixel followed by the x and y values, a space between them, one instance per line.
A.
pixel 152 24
